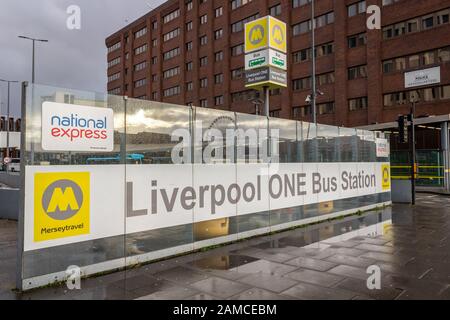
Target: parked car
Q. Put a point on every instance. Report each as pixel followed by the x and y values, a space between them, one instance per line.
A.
pixel 14 165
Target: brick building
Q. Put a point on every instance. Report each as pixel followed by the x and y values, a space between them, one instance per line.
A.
pixel 191 52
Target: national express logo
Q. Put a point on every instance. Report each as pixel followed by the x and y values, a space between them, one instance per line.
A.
pixel 61 205
pixel 67 127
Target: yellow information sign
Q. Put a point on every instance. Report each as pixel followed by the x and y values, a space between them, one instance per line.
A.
pixel 385 177
pixel 61 205
pixel 263 33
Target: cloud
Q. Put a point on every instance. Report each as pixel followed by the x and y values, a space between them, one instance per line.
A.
pixel 72 58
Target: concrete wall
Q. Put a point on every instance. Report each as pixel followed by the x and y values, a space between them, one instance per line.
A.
pixel 10 179
pixel 9 204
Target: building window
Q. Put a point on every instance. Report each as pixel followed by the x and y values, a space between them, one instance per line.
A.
pixel 357 72
pixel 203 61
pixel 218 12
pixel 275 10
pixel 356 8
pixel 301 84
pixel 204 83
pixel 388 2
pixel 140 66
pixel 189 6
pixel 299 3
pixel 113 62
pixel 189 66
pixel 154 25
pixel 114 76
pixel 154 95
pixel 444 54
pixel 218 56
pixel 305 83
pixel 246 95
pixel 114 47
pixel 237 50
pixel 155 43
pixel 204 103
pixel 357 40
pixel 204 19
pixel 154 60
pixel 114 91
pixel 140 33
pixel 218 78
pixel 417 24
pixel 274 114
pixel 140 49
pixel 189 46
pixel 238 3
pixel 203 40
pixel 218 101
pixel 140 83
pixel 171 16
pixel 154 77
pixel 325 108
pixel 172 34
pixel 172 91
pixel 421 95
pixel 189 26
pixel 301 112
pixel 237 73
pixel 171 72
pixel 357 104
pixel 190 86
pixel 171 53
pixel 218 34
pixel 301 27
pixel 239 25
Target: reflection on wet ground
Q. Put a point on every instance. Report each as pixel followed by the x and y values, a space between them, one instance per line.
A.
pixel 324 261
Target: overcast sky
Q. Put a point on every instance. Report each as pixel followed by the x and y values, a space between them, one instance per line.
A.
pixel 72 58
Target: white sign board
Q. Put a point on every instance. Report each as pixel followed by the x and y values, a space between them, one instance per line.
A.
pixel 423 77
pixel 382 148
pixel 68 127
pixel 265 58
pixel 69 204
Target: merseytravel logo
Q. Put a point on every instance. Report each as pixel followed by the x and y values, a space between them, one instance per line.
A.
pixel 277 35
pixel 61 205
pixel 385 177
pixel 256 35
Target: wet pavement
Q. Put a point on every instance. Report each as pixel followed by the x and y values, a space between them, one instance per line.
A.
pixel 326 261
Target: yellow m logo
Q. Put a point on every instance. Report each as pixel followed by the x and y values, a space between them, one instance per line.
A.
pixel 63 200
pixel 277 35
pixel 256 34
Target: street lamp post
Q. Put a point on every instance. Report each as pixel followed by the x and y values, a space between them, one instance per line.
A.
pixel 313 61
pixel 7 115
pixel 32 62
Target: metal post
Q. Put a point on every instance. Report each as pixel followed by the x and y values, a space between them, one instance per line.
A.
pixel 445 155
pixel 32 64
pixel 313 59
pixel 7 124
pixel 21 220
pixel 413 155
pixel 266 101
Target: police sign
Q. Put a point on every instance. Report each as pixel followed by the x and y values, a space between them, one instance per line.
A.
pixel 263 33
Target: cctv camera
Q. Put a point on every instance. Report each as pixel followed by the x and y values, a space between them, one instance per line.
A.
pixel 308 99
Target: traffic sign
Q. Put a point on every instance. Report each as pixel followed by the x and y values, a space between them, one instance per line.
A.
pixel 265 77
pixel 265 58
pixel 263 33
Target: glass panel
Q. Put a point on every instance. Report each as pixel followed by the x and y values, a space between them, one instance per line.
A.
pixel 79 174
